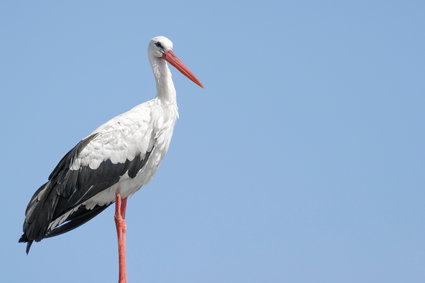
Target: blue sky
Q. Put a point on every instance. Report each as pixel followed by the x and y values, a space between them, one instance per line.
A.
pixel 302 160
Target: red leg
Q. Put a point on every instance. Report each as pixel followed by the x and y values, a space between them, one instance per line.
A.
pixel 120 206
pixel 123 207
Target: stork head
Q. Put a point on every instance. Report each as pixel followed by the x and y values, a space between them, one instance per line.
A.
pixel 162 48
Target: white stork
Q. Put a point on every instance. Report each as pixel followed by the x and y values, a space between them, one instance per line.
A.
pixel 111 163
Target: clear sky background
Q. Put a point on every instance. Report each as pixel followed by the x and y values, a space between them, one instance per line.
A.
pixel 302 160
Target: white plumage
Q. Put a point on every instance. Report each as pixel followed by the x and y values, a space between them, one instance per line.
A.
pixel 148 126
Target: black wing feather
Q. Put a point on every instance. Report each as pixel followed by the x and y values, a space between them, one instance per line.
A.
pixel 79 217
pixel 67 189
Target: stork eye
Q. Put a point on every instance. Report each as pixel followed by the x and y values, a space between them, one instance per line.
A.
pixel 158 44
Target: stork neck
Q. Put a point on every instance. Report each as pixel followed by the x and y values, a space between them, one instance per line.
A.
pixel 165 89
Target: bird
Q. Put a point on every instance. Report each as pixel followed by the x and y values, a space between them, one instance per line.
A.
pixel 111 163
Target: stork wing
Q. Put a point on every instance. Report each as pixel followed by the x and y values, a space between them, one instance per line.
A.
pixel 92 166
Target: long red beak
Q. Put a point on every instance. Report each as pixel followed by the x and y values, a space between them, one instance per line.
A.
pixel 176 62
